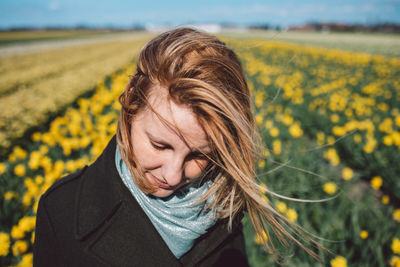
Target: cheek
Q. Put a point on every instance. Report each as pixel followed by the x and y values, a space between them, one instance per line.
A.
pixel 195 168
pixel 144 156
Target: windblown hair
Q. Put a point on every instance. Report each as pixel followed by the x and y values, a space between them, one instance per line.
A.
pixel 202 73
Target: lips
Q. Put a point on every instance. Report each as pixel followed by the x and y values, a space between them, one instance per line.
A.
pixel 160 183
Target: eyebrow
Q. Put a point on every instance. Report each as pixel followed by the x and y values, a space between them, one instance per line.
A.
pixel 195 150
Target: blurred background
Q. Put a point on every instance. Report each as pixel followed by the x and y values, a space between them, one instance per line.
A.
pixel 324 76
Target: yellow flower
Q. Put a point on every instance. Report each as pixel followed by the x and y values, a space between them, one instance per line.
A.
pixel 36 136
pixel 33 237
pixel 19 152
pixel 19 247
pixel 281 206
pixel 396 215
pixel 376 182
pixel 339 261
pixel 4 244
pixel 363 234
pixel 330 188
pixel 26 261
pixel 265 153
pixel 295 130
pixel 259 119
pixel 320 138
pixel 17 233
pixel 259 239
pixel 265 199
pixel 2 168
pixel 387 140
pixel 385 199
pixel 332 156
pixel 395 262
pixel 347 173
pixel 262 189
pixel 334 118
pixel 27 224
pixel 9 195
pixel 276 147
pixel 34 160
pixel 19 170
pixel 339 131
pixel 357 138
pixel 268 124
pixel 291 214
pixel 261 164
pixel 396 245
pixel 274 132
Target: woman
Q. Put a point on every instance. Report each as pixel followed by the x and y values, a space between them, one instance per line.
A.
pixel 171 187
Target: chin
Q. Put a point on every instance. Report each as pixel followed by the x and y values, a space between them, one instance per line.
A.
pixel 162 193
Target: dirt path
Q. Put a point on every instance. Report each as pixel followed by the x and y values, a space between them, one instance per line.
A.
pixel 38 46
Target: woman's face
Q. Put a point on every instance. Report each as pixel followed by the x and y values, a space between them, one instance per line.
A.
pixel 168 159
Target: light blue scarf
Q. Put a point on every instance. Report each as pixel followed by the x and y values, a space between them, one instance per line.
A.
pixel 177 218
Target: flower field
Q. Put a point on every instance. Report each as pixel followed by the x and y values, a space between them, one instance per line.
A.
pixel 55 79
pixel 330 122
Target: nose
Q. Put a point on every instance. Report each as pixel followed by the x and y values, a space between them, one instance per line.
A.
pixel 173 171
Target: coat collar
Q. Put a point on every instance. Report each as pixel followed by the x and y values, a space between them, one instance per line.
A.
pixel 108 218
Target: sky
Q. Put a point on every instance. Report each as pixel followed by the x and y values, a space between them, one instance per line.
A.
pixel 125 13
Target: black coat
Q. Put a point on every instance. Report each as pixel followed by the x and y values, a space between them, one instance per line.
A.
pixel 90 218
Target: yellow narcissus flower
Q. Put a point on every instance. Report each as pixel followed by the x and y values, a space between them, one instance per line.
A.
pixel 259 119
pixel 4 244
pixel 334 118
pixel 262 188
pixel 387 140
pixel 347 173
pixel 268 124
pixel 396 215
pixel 363 234
pixel 395 262
pixel 291 214
pixel 36 136
pixel 274 132
pixel 330 188
pixel 9 195
pixel 19 170
pixel 320 138
pixel 261 164
pixel 17 233
pixel 338 131
pixel 385 199
pixel 2 168
pixel 357 138
pixel 26 261
pixel 332 156
pixel 396 245
pixel 339 261
pixel 376 182
pixel 281 206
pixel 295 130
pixel 27 223
pixel 260 239
pixel 276 147
pixel 34 160
pixel 19 152
pixel 19 247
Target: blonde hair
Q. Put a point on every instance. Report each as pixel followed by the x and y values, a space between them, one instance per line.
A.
pixel 202 73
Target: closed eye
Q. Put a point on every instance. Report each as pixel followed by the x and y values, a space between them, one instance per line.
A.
pixel 160 146
pixel 196 155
